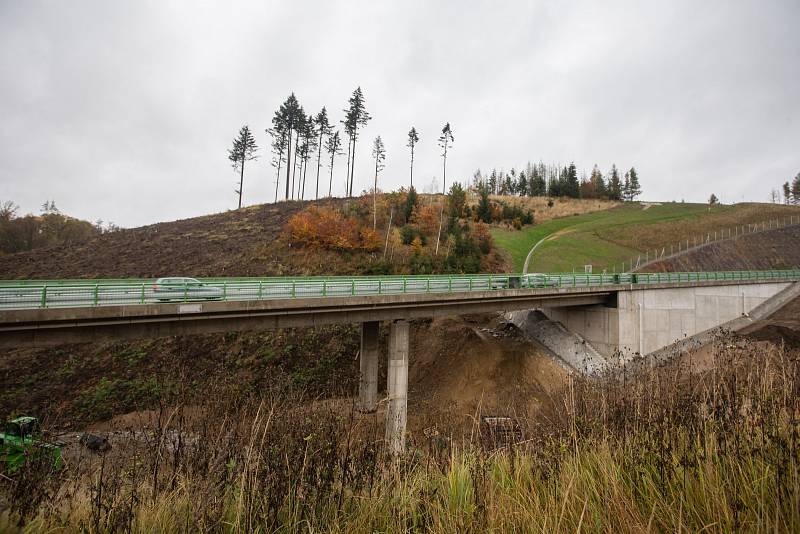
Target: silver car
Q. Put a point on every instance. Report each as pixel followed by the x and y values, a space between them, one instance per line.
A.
pixel 183 288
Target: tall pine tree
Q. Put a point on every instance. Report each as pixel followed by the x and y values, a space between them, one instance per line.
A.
pixel 356 116
pixel 333 146
pixel 284 124
pixel 614 184
pixel 243 150
pixel 413 139
pixel 634 189
pixel 324 130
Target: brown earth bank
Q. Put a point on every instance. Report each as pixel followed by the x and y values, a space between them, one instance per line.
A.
pixel 247 242
pixel 770 249
pixel 459 367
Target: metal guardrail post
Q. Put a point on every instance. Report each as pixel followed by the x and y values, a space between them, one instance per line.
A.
pixel 379 286
pixel 96 289
pixel 405 282
pixel 470 283
pixel 324 288
pixel 44 296
pixel 260 290
pixel 294 294
pixel 449 284
pixel 186 292
pixel 141 300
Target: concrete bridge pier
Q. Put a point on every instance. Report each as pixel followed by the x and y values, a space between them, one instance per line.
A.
pixel 397 386
pixel 368 381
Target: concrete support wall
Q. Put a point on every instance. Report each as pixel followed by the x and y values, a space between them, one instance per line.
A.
pixel 646 320
pixel 368 367
pixel 397 386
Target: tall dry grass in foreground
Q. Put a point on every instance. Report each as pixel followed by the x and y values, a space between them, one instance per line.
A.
pixel 667 450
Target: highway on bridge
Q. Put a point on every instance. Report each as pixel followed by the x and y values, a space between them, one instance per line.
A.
pixel 62 311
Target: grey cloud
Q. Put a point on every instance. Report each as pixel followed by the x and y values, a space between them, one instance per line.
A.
pixel 124 110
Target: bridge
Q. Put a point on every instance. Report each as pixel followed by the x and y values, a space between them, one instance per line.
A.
pixel 631 313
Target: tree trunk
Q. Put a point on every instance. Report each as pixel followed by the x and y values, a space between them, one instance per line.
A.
pixel 278 177
pixel 330 185
pixel 241 182
pixel 439 235
pixel 305 170
pixel 412 167
pixel 444 172
pixel 347 176
pixel 288 160
pixel 294 165
pixel 319 160
pixel 375 198
pixel 388 229
pixel 353 164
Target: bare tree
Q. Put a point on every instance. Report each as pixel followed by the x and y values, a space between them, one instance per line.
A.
pixel 445 141
pixel 379 153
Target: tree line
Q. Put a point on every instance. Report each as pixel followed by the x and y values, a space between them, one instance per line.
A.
pixel 51 227
pixel 538 180
pixel 297 137
pixel 791 191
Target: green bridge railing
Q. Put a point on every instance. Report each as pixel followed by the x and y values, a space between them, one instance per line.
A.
pixel 27 294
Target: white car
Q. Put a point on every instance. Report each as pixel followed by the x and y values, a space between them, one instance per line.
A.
pixel 182 288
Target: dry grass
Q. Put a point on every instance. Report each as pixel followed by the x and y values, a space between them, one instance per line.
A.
pixel 669 449
pixel 562 207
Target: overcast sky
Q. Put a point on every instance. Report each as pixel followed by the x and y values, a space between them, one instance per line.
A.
pixel 124 111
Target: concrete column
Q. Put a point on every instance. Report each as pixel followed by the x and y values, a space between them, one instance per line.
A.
pixel 368 380
pixel 397 385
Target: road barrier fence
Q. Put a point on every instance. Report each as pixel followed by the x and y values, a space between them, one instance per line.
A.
pixel 29 294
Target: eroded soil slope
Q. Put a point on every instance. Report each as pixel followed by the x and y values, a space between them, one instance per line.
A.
pixel 772 249
pixel 245 242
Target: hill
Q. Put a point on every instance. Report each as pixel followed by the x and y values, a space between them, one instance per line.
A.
pixel 250 241
pixel 607 238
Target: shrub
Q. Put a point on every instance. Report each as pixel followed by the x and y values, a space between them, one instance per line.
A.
pixel 327 228
pixel 483 237
pixel 409 232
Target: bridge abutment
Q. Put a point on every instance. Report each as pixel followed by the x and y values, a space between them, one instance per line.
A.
pixel 397 386
pixel 368 367
pixel 649 319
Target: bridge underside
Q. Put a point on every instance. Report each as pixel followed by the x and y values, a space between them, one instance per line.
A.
pixel 647 320
pixel 41 327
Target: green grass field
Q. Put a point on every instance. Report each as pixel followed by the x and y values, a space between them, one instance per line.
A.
pixel 607 238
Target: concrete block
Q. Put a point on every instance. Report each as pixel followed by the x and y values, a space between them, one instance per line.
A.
pixel 397 386
pixel 368 367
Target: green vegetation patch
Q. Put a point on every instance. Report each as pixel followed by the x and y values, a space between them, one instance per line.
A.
pixel 607 238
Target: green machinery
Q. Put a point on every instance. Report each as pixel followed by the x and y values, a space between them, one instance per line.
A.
pixel 21 441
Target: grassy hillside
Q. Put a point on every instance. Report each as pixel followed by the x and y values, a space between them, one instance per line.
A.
pixel 607 238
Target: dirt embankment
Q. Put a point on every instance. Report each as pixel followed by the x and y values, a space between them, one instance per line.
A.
pixel 772 249
pixel 245 242
pixel 459 368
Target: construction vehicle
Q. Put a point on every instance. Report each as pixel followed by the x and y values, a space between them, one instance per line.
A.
pixel 21 441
